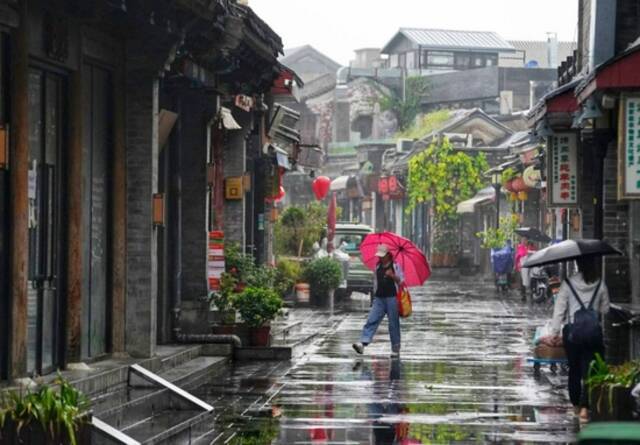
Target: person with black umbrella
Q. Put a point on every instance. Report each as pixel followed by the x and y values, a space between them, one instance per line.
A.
pixel 581 303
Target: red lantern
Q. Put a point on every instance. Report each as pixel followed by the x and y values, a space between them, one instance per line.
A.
pixel 280 195
pixel 383 186
pixel 518 185
pixel 321 187
pixel 509 186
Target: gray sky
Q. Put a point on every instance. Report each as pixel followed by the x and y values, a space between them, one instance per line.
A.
pixel 337 27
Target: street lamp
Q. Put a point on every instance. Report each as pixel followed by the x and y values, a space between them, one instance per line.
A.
pixel 496 181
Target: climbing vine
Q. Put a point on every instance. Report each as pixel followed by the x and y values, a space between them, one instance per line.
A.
pixel 444 177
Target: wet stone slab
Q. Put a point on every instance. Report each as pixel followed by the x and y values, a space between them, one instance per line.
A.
pixel 462 378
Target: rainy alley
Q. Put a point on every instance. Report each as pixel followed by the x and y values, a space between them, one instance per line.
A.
pixel 462 377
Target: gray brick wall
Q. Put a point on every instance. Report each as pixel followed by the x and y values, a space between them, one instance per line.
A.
pixel 142 181
pixel 616 230
pixel 235 165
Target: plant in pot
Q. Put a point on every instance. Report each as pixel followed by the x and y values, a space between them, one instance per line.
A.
pixel 289 273
pixel 324 275
pixel 223 299
pixel 51 415
pixel 240 265
pixel 258 306
pixel 610 389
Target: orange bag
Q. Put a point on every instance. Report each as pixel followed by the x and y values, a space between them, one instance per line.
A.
pixel 404 301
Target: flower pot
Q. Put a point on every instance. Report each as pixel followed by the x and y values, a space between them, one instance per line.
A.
pixel 223 329
pixel 259 336
pixel 611 403
pixel 303 292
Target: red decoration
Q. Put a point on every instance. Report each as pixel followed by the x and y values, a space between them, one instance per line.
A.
pixel 383 186
pixel 321 187
pixel 393 184
pixel 280 195
pixel 509 186
pixel 518 185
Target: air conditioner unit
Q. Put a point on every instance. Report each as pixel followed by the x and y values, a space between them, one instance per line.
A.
pixel 282 129
pixel 404 145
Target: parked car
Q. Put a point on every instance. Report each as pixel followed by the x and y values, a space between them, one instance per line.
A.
pixel 359 277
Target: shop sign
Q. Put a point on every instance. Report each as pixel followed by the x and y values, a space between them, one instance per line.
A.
pixel 629 148
pixel 563 170
pixel 234 188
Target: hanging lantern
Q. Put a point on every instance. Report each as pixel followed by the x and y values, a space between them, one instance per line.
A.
pixel 522 195
pixel 320 187
pixel 513 196
pixel 281 194
pixel 517 184
pixel 509 186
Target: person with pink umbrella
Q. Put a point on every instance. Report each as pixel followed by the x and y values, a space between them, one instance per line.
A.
pixel 388 277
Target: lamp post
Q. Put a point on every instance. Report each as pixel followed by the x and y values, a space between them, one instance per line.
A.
pixel 496 181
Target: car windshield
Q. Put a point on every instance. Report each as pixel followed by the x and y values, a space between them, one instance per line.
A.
pixel 350 242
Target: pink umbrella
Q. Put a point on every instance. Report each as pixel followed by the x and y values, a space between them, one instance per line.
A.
pixel 411 259
pixel 331 222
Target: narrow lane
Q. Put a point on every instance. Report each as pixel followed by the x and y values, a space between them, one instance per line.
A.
pixel 462 378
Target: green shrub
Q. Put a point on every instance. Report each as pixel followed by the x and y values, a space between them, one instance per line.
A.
pixel 222 299
pixel 323 275
pixel 289 273
pixel 257 306
pixel 59 411
pixel 237 263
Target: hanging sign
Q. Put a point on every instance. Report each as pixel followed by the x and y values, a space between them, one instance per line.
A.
pixel 629 148
pixel 563 170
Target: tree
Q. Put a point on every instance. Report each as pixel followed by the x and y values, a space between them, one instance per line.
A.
pixel 406 109
pixel 444 177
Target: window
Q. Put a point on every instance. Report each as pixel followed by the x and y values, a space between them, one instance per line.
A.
pixel 440 58
pixel 393 61
pixel 402 60
pixel 463 60
pixel 478 61
pixel 411 60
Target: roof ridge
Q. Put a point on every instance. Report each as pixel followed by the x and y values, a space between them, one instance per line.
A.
pixel 447 30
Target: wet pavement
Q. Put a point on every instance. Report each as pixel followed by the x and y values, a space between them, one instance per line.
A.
pixel 462 377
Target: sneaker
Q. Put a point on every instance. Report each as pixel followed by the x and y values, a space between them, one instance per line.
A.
pixel 395 351
pixel 358 347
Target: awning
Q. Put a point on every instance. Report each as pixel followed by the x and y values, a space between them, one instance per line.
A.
pixel 227 119
pixel 469 206
pixel 339 184
pixel 618 73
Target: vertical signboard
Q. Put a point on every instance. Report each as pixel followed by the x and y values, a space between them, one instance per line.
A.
pixel 629 148
pixel 215 259
pixel 563 170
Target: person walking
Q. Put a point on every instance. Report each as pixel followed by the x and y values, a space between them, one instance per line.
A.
pixel 582 301
pixel 387 279
pixel 524 249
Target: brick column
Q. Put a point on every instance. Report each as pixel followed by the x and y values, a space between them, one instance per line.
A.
pixel 141 238
pixel 235 154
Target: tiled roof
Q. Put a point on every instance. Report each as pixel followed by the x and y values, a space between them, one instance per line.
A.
pixel 452 39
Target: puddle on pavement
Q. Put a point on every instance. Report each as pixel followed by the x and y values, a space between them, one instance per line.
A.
pixel 462 378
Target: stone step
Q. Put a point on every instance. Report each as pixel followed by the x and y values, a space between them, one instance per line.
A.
pixel 154 414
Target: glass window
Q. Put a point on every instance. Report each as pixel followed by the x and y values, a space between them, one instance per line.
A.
pixel 350 242
pixel 440 58
pixel 411 60
pixel 402 60
pixel 492 60
pixel 478 61
pixel 393 61
pixel 463 61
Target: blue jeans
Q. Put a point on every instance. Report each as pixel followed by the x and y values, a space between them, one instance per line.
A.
pixel 379 308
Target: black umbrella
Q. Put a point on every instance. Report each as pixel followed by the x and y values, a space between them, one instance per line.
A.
pixel 570 250
pixel 533 234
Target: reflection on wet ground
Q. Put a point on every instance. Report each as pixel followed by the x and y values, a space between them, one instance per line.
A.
pixel 462 378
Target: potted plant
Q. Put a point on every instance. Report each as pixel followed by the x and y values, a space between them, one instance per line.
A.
pixel 50 415
pixel 257 307
pixel 324 275
pixel 222 299
pixel 610 389
pixel 289 273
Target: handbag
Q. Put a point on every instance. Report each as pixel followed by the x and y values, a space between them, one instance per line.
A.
pixel 404 301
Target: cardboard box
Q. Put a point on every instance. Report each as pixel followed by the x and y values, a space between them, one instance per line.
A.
pixel 550 352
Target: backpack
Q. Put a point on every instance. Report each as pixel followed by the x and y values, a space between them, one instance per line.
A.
pixel 585 329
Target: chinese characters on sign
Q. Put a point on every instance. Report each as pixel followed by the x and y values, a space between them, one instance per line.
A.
pixel 631 147
pixel 563 169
